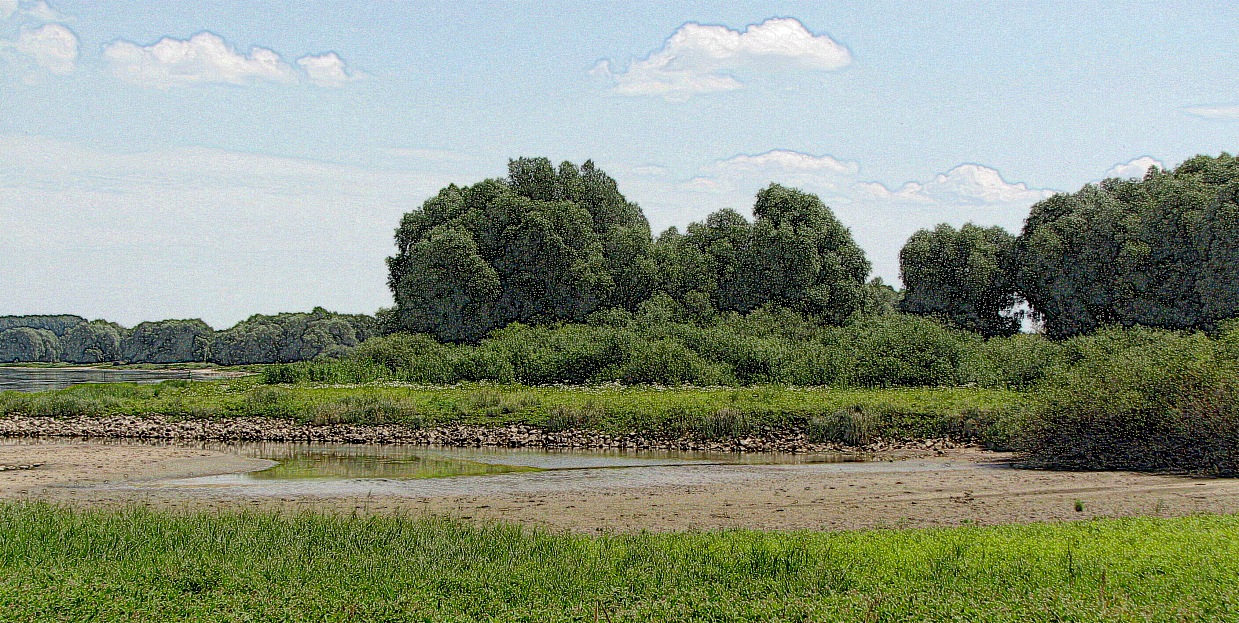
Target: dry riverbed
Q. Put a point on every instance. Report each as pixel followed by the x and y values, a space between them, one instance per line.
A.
pixel 948 487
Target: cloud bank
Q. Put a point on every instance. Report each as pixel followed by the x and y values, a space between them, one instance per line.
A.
pixel 700 58
pixel 206 58
pixel 1230 112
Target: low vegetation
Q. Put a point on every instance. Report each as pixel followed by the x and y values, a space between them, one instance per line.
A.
pixel 136 564
pixel 851 416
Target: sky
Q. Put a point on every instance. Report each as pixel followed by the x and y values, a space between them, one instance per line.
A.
pixel 195 159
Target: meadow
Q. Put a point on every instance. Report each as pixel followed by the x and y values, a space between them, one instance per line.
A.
pixel 62 564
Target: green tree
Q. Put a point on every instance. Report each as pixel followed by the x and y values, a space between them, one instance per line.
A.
pixel 27 345
pixel 962 276
pixel 92 342
pixel 167 341
pixel 543 245
pixel 453 291
pixel 1156 251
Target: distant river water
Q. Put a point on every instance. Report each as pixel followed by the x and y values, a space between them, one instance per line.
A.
pixel 42 379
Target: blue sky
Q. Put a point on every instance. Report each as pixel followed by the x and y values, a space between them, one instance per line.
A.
pixel 218 159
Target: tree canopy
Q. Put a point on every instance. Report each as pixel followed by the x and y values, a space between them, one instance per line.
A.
pixel 1159 251
pixel 548 245
pixel 962 276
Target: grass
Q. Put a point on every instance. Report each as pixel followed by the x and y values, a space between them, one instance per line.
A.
pixel 58 564
pixel 826 414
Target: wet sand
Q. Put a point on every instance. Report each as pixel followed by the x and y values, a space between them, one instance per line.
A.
pixel 963 486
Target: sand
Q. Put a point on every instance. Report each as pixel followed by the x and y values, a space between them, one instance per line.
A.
pixel 961 486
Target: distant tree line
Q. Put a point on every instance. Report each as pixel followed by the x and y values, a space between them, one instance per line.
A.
pixel 260 339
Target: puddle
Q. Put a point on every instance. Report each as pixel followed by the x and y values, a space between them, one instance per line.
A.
pixel 357 470
pixel 333 463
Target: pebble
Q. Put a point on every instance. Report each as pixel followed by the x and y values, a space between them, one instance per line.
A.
pixel 456 435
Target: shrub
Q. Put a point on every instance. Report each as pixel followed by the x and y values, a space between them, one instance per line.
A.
pixel 1139 399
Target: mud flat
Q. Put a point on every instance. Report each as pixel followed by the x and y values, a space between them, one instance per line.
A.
pixel 962 486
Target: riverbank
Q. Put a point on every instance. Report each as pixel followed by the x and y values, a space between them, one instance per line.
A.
pixel 964 486
pixel 160 427
pixel 772 418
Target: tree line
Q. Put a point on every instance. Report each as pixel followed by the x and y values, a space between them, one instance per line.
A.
pixel 259 339
pixel 551 245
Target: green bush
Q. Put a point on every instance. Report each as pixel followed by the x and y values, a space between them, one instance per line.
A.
pixel 1139 399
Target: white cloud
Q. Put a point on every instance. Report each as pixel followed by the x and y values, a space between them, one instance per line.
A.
pixel 7 8
pixel 52 47
pixel 326 70
pixel 700 58
pixel 1214 112
pixel 783 165
pixel 964 185
pixel 44 12
pixel 1134 168
pixel 203 58
pixel 206 58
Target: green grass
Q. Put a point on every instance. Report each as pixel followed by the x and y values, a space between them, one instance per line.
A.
pixel 58 564
pixel 835 414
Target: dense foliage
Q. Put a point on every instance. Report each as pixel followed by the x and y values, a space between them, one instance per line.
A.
pixel 962 276
pixel 130 564
pixel 1162 251
pixel 553 245
pixel 1141 399
pixel 665 343
pixel 259 339
pixel 543 245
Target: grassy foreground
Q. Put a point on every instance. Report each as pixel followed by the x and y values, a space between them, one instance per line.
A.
pixel 850 415
pixel 58 564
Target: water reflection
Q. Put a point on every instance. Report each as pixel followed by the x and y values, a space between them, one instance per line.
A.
pixel 43 379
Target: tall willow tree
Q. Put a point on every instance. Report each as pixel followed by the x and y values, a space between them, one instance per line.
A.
pixel 1160 251
pixel 542 245
pixel 962 276
pixel 794 255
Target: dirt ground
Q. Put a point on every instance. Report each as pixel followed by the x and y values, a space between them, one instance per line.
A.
pixel 961 487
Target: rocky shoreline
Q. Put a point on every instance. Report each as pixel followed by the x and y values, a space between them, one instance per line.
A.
pixel 157 427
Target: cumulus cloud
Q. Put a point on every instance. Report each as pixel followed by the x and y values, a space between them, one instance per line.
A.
pixel 203 58
pixel 52 47
pixel 700 58
pixel 1230 112
pixel 1134 168
pixel 783 165
pixel 326 70
pixel 206 58
pixel 964 185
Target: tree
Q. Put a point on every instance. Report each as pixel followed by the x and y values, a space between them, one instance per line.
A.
pixel 543 245
pixel 962 276
pixel 27 345
pixel 453 291
pixel 167 341
pixel 92 342
pixel 795 255
pixel 1157 251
